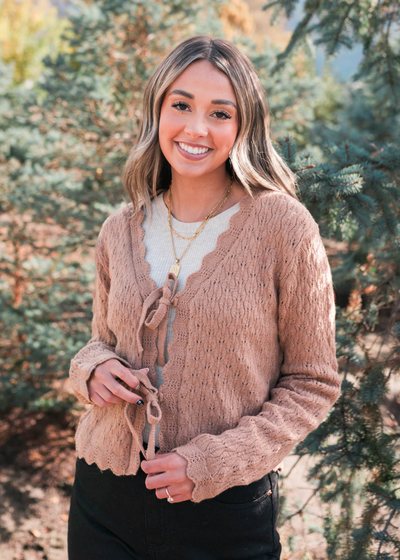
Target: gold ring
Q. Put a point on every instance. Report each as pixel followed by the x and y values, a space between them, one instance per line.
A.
pixel 170 498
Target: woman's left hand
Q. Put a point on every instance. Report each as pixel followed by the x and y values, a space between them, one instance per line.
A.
pixel 168 470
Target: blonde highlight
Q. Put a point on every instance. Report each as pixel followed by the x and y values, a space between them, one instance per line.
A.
pixel 254 162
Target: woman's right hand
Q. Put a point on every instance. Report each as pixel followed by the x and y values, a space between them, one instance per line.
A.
pixel 105 390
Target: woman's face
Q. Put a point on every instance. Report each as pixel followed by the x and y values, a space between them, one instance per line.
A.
pixel 199 115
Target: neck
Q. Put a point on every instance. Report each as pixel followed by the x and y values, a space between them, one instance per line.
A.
pixel 192 200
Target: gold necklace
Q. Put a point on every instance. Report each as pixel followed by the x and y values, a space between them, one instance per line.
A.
pixel 175 268
pixel 216 208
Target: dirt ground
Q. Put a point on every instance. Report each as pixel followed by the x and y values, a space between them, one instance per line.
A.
pixel 37 463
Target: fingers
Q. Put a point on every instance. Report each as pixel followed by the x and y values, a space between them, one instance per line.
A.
pixel 161 480
pixel 126 375
pixel 121 392
pixel 118 395
pixel 107 396
pixel 164 462
pixel 96 399
pixel 113 392
pixel 177 492
pixel 180 498
pixel 168 470
pixel 104 384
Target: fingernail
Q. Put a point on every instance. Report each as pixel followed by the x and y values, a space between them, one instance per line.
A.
pixel 139 401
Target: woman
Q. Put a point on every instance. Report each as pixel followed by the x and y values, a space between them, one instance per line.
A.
pixel 213 335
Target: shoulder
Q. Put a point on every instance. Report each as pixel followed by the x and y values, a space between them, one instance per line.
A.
pixel 118 223
pixel 120 217
pixel 284 217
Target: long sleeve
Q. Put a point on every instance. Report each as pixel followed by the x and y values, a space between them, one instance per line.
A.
pixel 307 387
pixel 101 346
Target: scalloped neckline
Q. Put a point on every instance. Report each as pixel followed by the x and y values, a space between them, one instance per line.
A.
pixel 224 242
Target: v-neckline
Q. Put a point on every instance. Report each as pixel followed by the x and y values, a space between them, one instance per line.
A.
pixel 209 262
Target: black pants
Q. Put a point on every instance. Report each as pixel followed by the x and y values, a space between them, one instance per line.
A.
pixel 118 518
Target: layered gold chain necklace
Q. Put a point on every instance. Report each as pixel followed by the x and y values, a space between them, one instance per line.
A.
pixel 175 268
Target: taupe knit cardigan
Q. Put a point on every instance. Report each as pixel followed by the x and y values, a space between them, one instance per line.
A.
pixel 252 366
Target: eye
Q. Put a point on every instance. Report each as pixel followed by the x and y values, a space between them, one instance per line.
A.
pixel 224 116
pixel 179 105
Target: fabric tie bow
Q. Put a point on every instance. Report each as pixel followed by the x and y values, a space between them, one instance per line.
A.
pixel 158 318
pixel 153 412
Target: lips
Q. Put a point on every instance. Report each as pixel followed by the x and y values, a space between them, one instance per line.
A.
pixel 193 149
pixel 190 155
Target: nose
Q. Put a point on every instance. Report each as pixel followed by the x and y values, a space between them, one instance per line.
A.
pixel 196 126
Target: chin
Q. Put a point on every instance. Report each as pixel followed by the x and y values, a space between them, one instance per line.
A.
pixel 190 173
pixel 196 170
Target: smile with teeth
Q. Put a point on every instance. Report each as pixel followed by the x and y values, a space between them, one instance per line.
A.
pixel 193 150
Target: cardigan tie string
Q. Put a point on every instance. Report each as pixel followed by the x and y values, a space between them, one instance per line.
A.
pixel 153 411
pixel 158 318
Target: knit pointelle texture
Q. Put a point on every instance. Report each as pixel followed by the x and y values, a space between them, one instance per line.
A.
pixel 160 256
pixel 252 366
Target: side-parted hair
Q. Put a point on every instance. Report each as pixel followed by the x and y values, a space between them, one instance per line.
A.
pixel 254 161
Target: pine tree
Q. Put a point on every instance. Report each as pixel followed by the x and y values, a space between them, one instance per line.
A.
pixel 353 193
pixel 35 267
pixel 341 24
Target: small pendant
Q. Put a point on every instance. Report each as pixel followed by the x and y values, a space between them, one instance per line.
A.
pixel 175 268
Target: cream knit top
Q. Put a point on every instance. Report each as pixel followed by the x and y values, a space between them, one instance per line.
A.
pixel 252 366
pixel 160 256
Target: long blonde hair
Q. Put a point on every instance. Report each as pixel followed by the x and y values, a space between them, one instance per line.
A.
pixel 254 161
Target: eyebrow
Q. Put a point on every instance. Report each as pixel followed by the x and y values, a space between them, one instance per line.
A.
pixel 191 96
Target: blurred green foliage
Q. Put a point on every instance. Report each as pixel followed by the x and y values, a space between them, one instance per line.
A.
pixel 29 30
